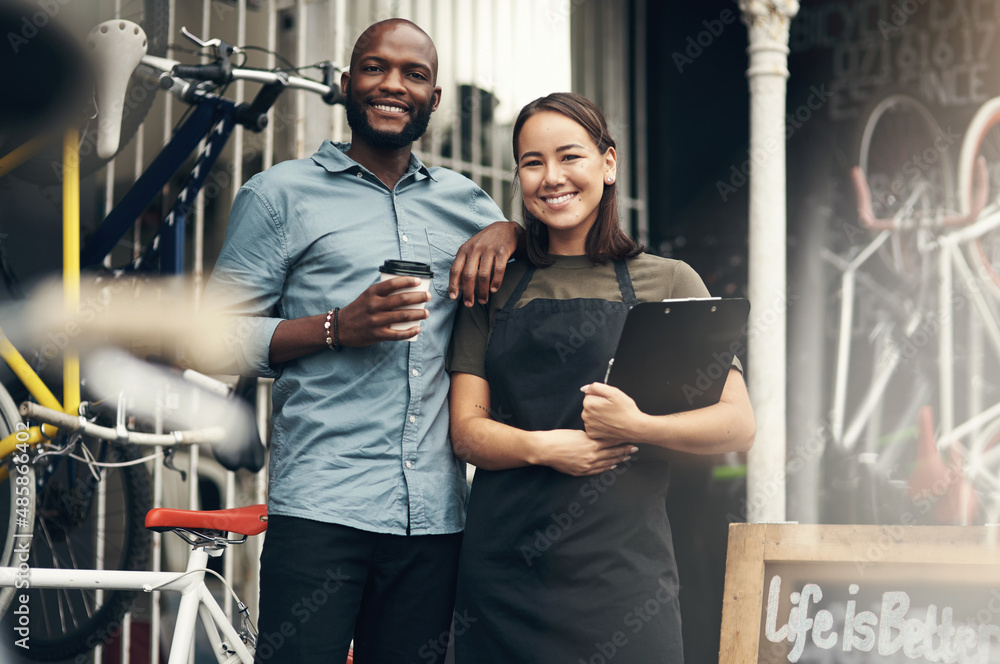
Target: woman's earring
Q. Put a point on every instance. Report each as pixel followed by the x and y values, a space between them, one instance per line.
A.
pixel 610 179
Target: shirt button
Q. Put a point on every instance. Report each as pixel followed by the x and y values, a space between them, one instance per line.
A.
pixel 412 419
pixel 409 464
pixel 415 372
pixel 360 174
pixel 406 239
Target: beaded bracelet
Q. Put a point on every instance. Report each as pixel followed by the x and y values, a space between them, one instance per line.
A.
pixel 332 342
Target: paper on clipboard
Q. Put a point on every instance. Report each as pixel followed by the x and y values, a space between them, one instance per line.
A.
pixel 675 355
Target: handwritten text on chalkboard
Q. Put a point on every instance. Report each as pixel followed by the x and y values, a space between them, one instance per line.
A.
pixel 931 634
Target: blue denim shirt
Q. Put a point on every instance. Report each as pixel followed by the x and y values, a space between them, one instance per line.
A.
pixel 360 437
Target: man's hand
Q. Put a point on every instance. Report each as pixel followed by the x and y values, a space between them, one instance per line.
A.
pixel 609 414
pixel 361 323
pixel 480 263
pixel 366 320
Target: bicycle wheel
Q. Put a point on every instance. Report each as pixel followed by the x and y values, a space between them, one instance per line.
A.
pixel 80 16
pixel 905 158
pixel 15 526
pixel 68 501
pixel 982 139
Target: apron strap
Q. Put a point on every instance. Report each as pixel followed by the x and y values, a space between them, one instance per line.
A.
pixel 625 283
pixel 504 313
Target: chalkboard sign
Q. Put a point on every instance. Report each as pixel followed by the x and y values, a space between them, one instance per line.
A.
pixel 811 594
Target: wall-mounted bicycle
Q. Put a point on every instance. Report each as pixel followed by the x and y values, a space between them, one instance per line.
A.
pixel 923 420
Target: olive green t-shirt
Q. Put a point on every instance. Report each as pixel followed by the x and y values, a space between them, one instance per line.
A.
pixel 570 277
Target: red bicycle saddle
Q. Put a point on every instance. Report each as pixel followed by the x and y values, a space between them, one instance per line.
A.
pixel 250 520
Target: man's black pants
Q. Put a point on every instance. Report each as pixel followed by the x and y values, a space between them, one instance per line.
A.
pixel 322 584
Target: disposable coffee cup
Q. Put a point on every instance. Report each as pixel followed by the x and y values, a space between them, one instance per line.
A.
pixel 397 268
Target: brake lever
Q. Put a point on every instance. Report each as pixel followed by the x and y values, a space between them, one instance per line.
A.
pixel 66 450
pixel 220 48
pixel 211 43
pixel 168 461
pixel 51 449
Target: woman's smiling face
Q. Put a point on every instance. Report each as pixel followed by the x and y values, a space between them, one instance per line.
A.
pixel 562 174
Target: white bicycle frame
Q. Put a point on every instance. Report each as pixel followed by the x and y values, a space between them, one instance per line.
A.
pixel 196 601
pixel 845 433
pixel 952 259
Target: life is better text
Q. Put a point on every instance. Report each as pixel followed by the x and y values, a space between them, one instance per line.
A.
pixel 931 637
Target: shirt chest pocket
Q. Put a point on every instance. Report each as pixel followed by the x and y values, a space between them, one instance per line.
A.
pixel 443 247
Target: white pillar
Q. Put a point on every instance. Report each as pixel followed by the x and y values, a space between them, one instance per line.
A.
pixel 767 24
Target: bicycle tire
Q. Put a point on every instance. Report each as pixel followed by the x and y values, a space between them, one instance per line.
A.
pixel 66 623
pixel 897 152
pixel 16 531
pixel 41 168
pixel 982 138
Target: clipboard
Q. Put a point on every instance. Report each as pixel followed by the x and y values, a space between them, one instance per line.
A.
pixel 675 355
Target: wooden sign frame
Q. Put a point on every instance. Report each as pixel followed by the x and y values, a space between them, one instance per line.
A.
pixel 753 546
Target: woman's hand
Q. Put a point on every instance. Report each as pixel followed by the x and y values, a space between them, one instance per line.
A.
pixel 575 453
pixel 491 445
pixel 609 414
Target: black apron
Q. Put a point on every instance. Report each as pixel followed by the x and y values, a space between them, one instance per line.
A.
pixel 556 568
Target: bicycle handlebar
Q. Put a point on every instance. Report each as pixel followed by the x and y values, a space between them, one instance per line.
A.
pixel 70 423
pixel 867 216
pixel 192 84
pixel 216 72
pixel 220 74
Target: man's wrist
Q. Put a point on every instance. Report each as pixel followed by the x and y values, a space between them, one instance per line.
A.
pixel 520 249
pixel 331 330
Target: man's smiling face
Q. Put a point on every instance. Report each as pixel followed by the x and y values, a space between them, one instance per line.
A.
pixel 390 90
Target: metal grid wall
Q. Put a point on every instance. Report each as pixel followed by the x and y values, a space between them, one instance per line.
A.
pixel 609 67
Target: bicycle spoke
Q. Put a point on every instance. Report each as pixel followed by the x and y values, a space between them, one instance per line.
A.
pixel 84 594
pixel 64 599
pixel 54 563
pixel 43 526
pixel 46 614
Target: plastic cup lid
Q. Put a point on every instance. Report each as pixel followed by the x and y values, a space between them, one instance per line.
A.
pixel 407 269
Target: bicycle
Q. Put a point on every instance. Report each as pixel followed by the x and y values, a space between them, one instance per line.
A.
pixel 926 230
pixel 212 118
pixel 207 532
pixel 73 518
pixel 201 530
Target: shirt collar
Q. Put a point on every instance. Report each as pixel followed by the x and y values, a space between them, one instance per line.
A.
pixel 332 156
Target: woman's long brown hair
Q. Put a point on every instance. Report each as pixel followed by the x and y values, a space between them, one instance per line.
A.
pixel 606 239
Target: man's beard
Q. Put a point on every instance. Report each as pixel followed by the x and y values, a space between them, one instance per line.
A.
pixel 357 120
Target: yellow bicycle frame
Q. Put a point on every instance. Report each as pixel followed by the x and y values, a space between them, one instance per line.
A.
pixel 71 290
